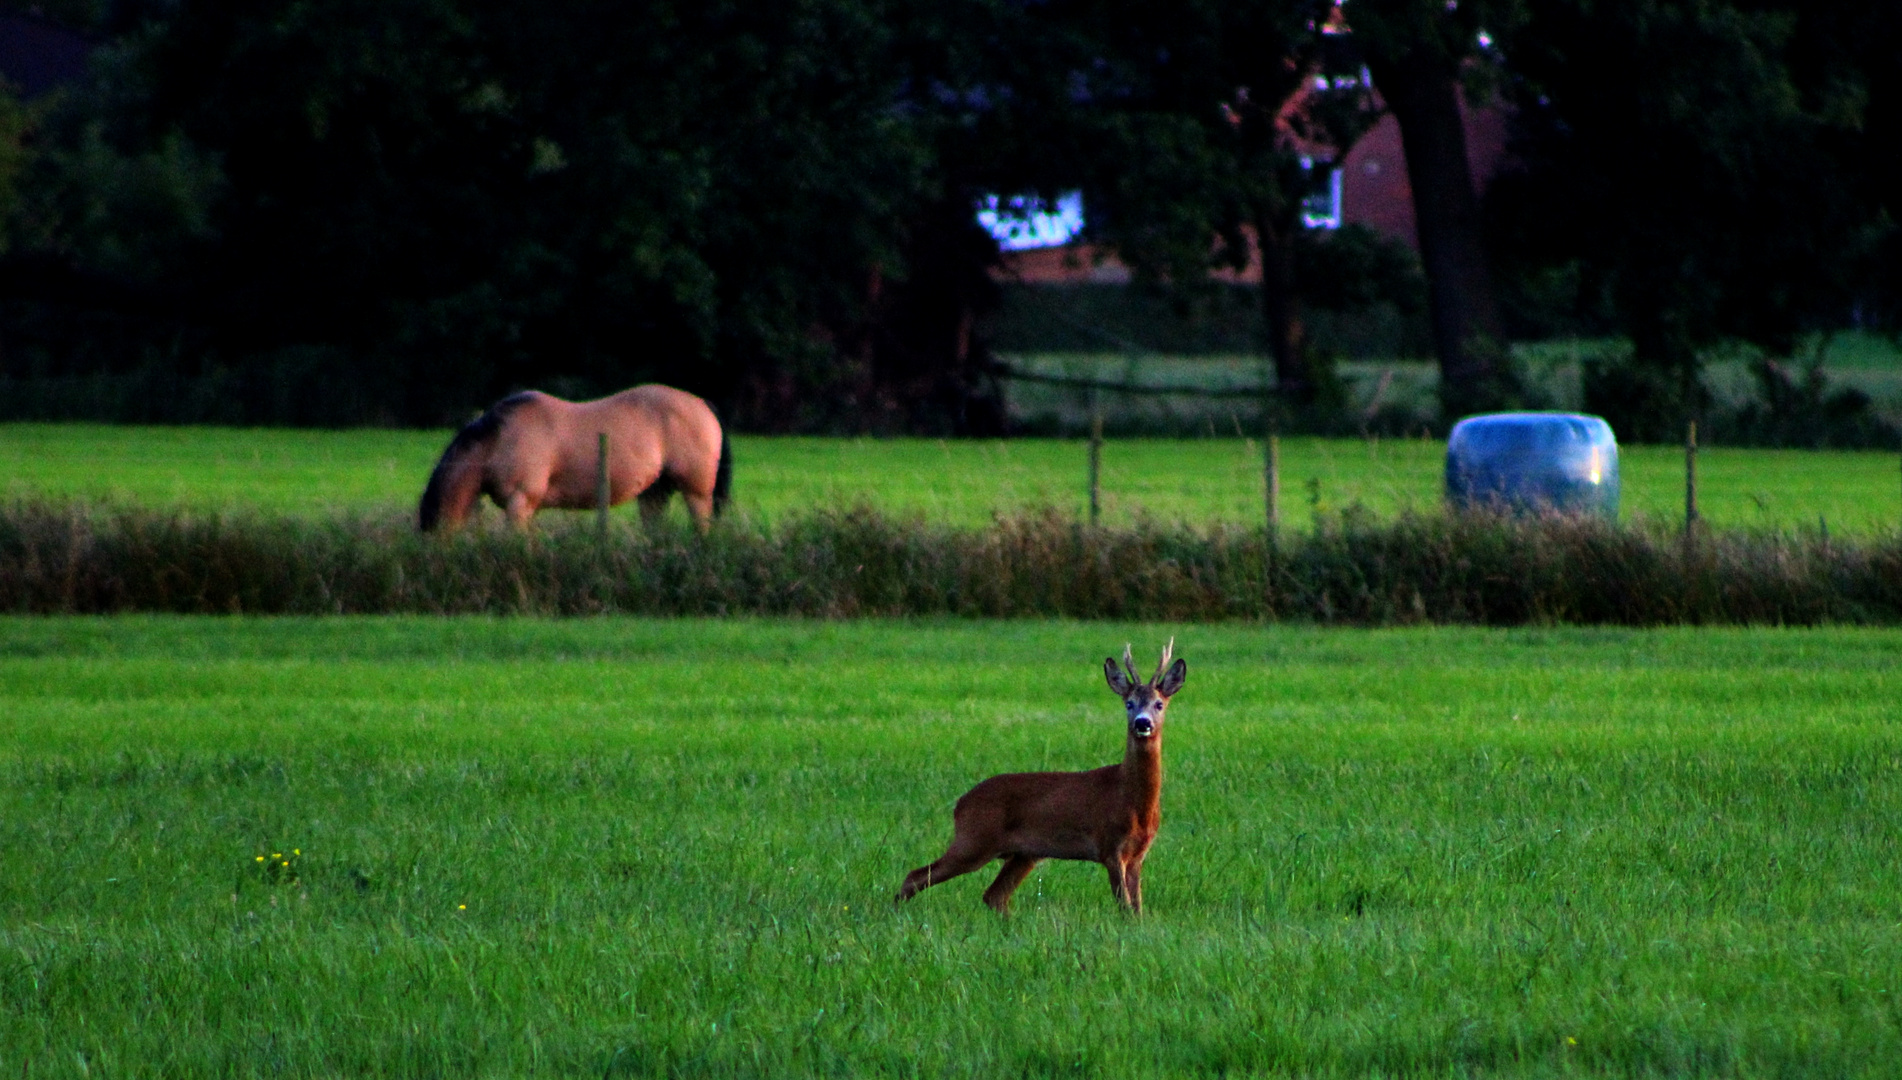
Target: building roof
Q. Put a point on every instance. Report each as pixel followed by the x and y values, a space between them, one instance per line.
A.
pixel 1374 192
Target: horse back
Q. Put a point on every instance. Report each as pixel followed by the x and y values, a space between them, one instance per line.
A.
pixel 549 446
pixel 678 428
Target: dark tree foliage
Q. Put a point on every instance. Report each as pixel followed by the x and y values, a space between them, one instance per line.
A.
pixel 1356 268
pixel 1845 58
pixel 418 204
pixel 336 211
pixel 1202 127
pixel 1673 159
pixel 1421 54
pixel 509 193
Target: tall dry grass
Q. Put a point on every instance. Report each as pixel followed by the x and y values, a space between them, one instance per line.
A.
pixel 75 558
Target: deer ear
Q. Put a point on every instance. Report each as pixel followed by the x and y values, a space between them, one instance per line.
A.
pixel 1173 679
pixel 1118 681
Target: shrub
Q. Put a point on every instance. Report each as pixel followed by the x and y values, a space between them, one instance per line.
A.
pixel 75 558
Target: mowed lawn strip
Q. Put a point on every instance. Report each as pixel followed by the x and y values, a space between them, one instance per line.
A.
pixel 310 472
pixel 625 847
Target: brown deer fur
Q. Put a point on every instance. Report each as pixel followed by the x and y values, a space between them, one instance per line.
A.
pixel 1107 815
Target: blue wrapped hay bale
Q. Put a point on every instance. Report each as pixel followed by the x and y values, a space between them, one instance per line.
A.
pixel 1534 461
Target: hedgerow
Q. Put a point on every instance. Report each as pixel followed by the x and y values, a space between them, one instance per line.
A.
pixel 78 558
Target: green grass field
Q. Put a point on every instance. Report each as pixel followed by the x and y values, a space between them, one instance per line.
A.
pixel 667 848
pixel 318 472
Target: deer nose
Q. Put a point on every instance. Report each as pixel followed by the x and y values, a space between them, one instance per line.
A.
pixel 1142 726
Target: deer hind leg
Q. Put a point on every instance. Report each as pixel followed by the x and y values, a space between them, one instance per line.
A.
pixel 960 860
pixel 1016 869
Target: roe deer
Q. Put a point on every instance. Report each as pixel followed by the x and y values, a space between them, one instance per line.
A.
pixel 1107 815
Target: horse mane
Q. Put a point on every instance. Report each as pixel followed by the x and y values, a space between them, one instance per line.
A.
pixel 478 432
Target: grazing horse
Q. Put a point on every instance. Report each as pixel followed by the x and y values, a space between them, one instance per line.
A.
pixel 532 450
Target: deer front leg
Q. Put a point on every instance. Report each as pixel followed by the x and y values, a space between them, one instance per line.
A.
pixel 1125 876
pixel 1016 869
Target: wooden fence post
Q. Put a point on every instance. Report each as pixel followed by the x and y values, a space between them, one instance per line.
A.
pixel 1273 480
pixel 1690 481
pixel 1271 484
pixel 602 491
pixel 1096 459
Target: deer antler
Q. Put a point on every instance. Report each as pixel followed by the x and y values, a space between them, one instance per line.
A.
pixel 1129 665
pixel 1168 651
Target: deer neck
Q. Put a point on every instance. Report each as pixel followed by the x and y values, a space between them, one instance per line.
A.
pixel 1142 774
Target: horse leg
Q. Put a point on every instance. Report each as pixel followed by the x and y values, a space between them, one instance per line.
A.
pixel 520 508
pixel 653 505
pixel 654 500
pixel 701 507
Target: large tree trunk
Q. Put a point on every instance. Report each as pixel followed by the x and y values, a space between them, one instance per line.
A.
pixel 1281 312
pixel 932 369
pixel 1467 335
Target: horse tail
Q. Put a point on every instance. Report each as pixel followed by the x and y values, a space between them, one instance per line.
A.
pixel 723 477
pixel 452 478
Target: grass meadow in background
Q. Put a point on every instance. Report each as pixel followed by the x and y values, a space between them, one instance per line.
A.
pixel 667 848
pixel 965 482
pixel 1402 393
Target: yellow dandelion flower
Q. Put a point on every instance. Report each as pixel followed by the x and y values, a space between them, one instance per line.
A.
pixel 297 851
pixel 260 858
pixel 462 907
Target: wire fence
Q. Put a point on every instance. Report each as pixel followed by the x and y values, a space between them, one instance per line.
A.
pixel 1265 393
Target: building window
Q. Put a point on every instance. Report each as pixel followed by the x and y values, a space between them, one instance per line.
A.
pixel 1321 209
pixel 1021 222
